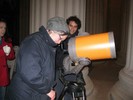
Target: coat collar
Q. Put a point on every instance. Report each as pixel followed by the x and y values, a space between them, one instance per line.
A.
pixel 48 39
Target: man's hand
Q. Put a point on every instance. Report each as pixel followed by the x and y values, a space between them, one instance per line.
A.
pixel 74 67
pixel 84 61
pixel 51 94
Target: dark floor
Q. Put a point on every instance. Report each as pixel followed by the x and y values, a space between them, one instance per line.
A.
pixel 104 75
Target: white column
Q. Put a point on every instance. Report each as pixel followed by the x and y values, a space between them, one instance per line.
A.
pixel 61 8
pixel 123 89
pixel 44 16
pixel 42 10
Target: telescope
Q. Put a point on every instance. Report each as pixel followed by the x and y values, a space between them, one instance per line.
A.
pixel 95 47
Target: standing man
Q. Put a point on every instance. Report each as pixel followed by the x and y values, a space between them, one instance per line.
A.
pixel 35 64
pixel 74 24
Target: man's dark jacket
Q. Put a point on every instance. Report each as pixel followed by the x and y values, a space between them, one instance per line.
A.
pixel 35 71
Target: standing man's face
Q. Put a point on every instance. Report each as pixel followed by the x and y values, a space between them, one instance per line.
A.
pixel 73 27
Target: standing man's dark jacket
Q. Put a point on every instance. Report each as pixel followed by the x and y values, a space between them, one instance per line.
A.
pixel 35 68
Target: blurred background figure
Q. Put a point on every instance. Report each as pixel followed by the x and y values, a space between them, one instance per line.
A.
pixel 6 53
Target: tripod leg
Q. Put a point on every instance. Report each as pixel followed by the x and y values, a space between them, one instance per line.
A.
pixel 83 92
pixel 83 96
pixel 73 96
pixel 63 93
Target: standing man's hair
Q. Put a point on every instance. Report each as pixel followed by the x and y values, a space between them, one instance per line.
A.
pixel 75 19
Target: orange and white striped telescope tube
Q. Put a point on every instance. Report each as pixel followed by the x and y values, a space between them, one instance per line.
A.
pixel 95 47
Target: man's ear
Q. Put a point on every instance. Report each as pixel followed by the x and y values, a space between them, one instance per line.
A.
pixel 49 32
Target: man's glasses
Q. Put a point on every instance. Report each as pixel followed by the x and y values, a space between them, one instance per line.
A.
pixel 61 34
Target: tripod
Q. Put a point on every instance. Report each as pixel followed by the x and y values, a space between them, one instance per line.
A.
pixel 74 88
